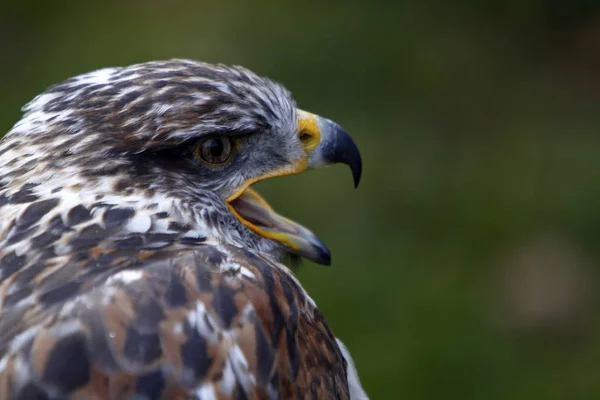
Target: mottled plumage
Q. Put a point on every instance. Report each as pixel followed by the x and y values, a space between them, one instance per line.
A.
pixel 132 268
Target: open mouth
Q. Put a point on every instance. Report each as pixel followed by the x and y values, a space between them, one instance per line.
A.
pixel 254 212
pixel 325 143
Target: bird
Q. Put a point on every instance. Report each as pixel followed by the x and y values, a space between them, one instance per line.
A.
pixel 136 260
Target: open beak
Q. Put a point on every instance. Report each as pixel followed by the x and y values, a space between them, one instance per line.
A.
pixel 325 143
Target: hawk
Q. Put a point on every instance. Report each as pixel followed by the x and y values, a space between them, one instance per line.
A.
pixel 135 260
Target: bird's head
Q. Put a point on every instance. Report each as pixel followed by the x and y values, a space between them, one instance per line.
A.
pixel 185 130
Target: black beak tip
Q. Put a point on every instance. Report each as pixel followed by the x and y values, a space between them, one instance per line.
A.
pixel 323 256
pixel 320 252
pixel 356 171
pixel 326 260
pixel 346 151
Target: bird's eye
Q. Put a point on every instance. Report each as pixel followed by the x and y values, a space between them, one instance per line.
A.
pixel 215 150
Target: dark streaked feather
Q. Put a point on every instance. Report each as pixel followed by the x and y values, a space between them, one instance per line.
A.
pixel 239 327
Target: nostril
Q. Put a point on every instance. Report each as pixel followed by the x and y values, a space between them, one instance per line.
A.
pixel 308 140
pixel 305 137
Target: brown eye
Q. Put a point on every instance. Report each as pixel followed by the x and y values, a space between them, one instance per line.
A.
pixel 214 150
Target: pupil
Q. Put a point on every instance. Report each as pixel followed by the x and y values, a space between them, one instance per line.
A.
pixel 216 148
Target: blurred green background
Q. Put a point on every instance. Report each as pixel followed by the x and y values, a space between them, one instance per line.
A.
pixel 466 264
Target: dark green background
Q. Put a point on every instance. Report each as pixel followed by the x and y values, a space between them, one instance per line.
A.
pixel 466 264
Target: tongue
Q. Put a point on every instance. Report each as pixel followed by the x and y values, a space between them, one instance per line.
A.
pixel 254 209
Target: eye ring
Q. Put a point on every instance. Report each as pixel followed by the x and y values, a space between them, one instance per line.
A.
pixel 214 151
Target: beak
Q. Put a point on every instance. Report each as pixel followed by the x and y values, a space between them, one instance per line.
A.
pixel 335 145
pixel 325 143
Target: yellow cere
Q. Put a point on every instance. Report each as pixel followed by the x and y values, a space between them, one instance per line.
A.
pixel 308 130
